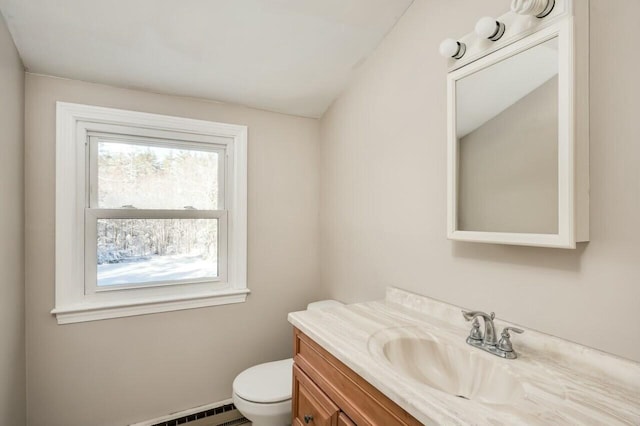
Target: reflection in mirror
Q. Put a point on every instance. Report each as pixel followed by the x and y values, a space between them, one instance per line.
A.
pixel 507 132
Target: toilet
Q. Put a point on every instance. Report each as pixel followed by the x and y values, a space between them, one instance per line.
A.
pixel 262 393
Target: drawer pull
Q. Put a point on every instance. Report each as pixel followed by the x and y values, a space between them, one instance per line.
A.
pixel 308 418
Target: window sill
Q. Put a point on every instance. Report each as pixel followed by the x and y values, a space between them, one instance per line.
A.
pixel 95 311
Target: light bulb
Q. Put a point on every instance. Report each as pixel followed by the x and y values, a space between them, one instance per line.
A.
pixel 488 27
pixel 450 48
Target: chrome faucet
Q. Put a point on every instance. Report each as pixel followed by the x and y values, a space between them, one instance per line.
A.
pixel 487 341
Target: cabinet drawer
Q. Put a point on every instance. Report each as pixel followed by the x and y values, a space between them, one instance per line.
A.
pixel 310 405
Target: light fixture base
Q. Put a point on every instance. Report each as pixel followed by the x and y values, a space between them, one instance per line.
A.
pixel 500 29
pixel 462 49
pixel 547 10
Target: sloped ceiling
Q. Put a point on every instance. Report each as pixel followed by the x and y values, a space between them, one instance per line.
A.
pixel 290 56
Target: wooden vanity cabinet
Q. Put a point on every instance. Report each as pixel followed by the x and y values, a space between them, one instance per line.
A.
pixel 328 393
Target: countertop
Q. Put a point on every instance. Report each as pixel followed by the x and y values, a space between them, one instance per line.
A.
pixel 561 382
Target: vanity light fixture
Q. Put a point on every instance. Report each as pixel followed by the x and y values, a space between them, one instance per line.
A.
pixel 537 8
pixel 490 28
pixel 450 48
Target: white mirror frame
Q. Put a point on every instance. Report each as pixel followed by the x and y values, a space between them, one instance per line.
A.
pixel 572 168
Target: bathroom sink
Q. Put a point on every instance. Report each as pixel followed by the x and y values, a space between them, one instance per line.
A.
pixel 459 371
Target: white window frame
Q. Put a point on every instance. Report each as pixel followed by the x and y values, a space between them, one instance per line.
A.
pixel 77 299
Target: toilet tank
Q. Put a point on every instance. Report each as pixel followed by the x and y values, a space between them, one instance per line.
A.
pixel 323 304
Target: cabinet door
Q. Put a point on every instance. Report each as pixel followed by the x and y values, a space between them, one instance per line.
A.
pixel 310 405
pixel 343 420
pixel 358 399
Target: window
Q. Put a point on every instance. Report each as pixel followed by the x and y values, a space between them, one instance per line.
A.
pixel 155 209
pixel 150 213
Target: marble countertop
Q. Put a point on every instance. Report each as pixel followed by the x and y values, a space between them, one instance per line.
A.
pixel 561 382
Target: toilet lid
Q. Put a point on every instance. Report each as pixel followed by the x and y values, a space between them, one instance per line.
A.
pixel 265 383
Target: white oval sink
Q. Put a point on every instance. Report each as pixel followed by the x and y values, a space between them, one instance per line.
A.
pixel 463 372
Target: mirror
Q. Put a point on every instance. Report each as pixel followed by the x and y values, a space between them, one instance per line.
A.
pixel 517 172
pixel 507 131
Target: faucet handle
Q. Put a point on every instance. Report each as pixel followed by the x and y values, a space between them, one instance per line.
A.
pixel 505 338
pixel 475 332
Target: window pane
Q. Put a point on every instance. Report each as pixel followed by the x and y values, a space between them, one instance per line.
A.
pixel 139 251
pixel 154 177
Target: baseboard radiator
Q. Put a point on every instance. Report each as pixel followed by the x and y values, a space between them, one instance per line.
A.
pixel 222 413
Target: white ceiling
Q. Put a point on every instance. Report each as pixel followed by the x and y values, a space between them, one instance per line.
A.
pixel 291 56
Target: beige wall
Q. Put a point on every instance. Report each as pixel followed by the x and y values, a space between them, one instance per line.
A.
pixel 12 362
pixel 383 169
pixel 118 371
